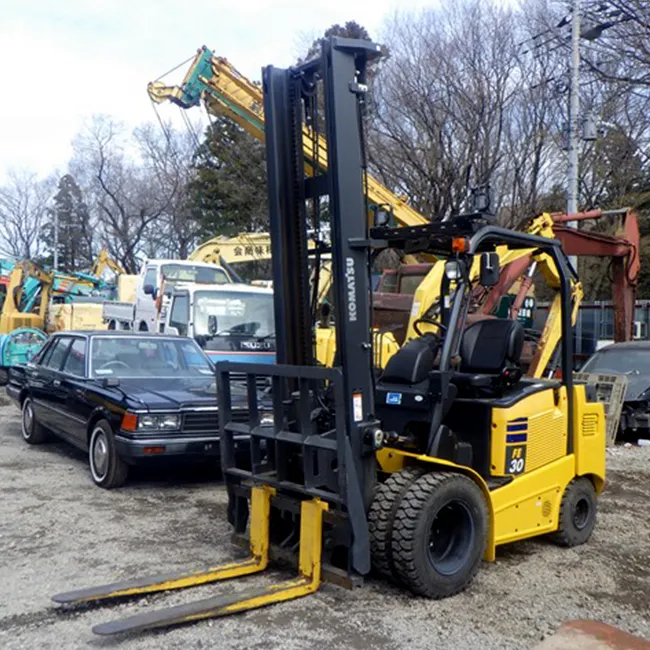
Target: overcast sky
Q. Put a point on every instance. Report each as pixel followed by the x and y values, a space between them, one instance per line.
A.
pixel 64 60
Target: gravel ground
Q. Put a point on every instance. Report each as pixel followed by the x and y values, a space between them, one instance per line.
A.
pixel 57 532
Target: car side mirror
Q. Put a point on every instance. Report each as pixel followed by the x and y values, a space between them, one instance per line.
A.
pixel 149 289
pixel 489 274
pixel 213 326
pixel 110 382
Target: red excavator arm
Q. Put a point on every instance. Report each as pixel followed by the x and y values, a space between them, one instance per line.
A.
pixel 622 248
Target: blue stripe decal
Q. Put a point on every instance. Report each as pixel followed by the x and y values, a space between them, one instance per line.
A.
pixel 524 419
pixel 242 357
pixel 517 427
pixel 516 437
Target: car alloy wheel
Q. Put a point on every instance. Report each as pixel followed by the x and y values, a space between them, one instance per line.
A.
pixel 99 454
pixel 28 419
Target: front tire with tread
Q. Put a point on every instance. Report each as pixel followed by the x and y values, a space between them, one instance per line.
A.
pixel 381 517
pixel 107 469
pixel 440 534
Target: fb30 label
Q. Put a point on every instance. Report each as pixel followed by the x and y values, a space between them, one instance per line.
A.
pixel 515 459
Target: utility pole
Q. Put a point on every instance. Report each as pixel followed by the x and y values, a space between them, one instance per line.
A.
pixel 574 120
pixel 55 263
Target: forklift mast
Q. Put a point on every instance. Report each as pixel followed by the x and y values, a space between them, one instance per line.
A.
pixel 288 98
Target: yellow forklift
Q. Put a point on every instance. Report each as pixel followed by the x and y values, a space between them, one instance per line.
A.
pixel 419 472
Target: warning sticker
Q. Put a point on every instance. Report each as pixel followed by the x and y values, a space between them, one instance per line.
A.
pixel 357 406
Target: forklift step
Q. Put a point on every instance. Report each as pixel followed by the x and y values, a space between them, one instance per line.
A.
pixel 307 582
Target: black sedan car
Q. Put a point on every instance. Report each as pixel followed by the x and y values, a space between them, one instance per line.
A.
pixel 631 359
pixel 123 397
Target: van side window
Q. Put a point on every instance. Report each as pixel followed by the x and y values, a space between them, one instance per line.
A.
pixel 180 313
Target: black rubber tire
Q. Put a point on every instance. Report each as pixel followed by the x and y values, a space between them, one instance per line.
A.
pixel 34 433
pixel 115 473
pixel 381 516
pixel 143 327
pixel 439 494
pixel 578 512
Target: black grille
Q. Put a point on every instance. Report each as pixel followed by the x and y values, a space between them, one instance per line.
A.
pixel 208 421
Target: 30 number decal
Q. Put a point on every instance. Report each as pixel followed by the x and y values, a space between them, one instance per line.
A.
pixel 515 459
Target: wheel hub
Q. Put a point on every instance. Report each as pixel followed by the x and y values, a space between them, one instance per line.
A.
pixel 581 513
pixel 28 419
pixel 450 538
pixel 100 454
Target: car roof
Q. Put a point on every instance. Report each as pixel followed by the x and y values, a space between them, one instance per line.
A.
pixel 119 333
pixel 237 287
pixel 628 345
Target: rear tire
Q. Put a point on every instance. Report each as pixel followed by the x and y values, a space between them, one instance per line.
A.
pixel 577 513
pixel 107 469
pixel 439 534
pixel 381 518
pixel 33 432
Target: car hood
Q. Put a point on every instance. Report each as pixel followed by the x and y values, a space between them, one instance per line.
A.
pixel 638 387
pixel 177 392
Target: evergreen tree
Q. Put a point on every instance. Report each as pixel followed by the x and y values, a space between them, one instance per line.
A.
pixel 74 230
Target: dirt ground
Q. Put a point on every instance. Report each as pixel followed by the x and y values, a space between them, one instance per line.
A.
pixel 58 532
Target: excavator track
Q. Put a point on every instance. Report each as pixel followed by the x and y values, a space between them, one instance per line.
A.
pixel 307 582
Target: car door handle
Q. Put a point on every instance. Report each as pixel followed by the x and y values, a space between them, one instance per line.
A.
pixel 57 382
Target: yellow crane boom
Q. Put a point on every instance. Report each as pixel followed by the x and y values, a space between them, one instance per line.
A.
pixel 225 91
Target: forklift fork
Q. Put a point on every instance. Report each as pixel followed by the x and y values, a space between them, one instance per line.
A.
pixel 308 581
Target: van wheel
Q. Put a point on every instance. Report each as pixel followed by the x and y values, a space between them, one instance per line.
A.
pixel 34 433
pixel 439 534
pixel 381 517
pixel 107 469
pixel 577 513
pixel 143 327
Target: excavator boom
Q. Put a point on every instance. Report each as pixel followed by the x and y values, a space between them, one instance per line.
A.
pixel 225 91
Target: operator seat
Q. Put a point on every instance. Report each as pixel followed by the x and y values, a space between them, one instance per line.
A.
pixel 490 353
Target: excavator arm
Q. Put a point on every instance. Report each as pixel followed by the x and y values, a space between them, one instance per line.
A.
pixel 223 90
pixel 104 261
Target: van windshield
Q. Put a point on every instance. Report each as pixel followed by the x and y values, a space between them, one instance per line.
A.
pixel 174 273
pixel 234 313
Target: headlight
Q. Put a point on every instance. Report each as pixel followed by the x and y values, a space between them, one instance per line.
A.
pixel 170 421
pixel 452 270
pixel 147 422
pixel 266 419
pixel 165 422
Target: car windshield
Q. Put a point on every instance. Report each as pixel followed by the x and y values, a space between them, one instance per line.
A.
pixel 233 313
pixel 138 356
pixel 174 273
pixel 621 361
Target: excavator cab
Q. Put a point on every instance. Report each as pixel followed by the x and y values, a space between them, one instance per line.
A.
pixel 418 473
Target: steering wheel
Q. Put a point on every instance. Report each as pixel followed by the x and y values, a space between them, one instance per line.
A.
pixel 116 363
pixel 429 321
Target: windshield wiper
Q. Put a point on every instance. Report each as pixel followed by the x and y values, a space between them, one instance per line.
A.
pixel 265 336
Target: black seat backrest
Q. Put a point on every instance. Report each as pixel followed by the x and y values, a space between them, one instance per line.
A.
pixel 490 345
pixel 413 362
